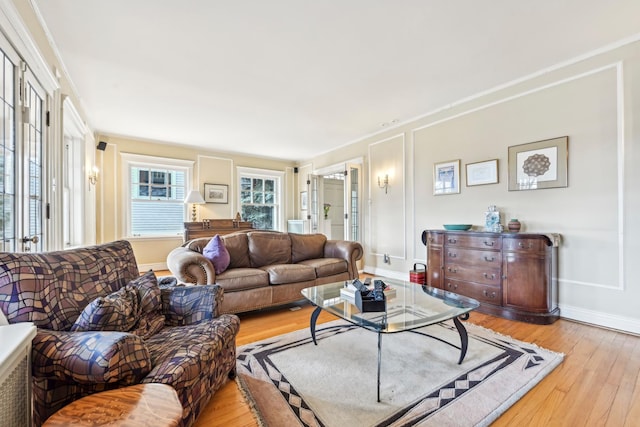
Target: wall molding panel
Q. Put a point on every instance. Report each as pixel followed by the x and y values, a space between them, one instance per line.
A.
pixel 618 68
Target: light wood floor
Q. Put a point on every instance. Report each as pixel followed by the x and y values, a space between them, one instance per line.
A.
pixel 598 383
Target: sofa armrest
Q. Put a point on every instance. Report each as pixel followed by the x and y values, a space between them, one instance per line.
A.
pixel 347 250
pixel 187 305
pixel 90 357
pixel 189 266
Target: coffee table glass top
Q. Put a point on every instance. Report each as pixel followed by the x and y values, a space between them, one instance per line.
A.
pixel 409 305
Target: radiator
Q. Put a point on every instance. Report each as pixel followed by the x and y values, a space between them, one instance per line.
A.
pixel 15 374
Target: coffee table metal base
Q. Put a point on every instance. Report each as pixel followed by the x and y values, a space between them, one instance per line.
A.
pixel 462 331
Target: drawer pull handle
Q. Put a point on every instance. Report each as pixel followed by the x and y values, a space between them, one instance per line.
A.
pixel 522 245
pixel 452 270
pixel 452 240
pixel 489 294
pixel 486 276
pixel 449 285
pixel 489 259
pixel 453 254
pixel 489 243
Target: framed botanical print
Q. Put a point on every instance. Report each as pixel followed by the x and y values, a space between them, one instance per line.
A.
pixel 536 165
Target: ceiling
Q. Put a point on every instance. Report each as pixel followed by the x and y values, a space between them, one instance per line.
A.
pixel 292 79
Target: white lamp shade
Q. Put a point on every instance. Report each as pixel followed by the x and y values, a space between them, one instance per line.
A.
pixel 194 197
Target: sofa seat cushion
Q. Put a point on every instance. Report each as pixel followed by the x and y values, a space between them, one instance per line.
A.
pixel 238 279
pixel 325 267
pixel 180 355
pixel 280 274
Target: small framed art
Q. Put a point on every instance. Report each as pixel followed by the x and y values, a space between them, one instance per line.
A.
pixel 482 173
pixel 446 177
pixel 216 193
pixel 304 201
pixel 537 165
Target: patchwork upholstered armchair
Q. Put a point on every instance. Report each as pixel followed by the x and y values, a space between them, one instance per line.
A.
pixel 102 326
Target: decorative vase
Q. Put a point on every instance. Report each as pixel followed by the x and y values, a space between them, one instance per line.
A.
pixel 492 220
pixel 514 225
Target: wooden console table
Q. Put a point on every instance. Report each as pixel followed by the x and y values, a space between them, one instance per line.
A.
pixel 139 405
pixel 512 275
pixel 211 227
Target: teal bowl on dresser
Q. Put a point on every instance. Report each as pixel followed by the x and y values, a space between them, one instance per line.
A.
pixel 457 227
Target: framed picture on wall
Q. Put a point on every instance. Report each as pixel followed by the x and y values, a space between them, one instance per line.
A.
pixel 482 173
pixel 537 165
pixel 446 177
pixel 216 193
pixel 304 201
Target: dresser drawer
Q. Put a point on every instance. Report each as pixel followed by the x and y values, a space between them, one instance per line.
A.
pixel 526 244
pixel 488 276
pixel 473 257
pixel 488 241
pixel 483 293
pixel 435 238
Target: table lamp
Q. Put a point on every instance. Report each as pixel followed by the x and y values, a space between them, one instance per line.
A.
pixel 194 198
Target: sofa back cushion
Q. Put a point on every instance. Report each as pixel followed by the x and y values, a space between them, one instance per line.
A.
pixel 51 289
pixel 238 247
pixel 198 244
pixel 150 317
pixel 267 248
pixel 307 246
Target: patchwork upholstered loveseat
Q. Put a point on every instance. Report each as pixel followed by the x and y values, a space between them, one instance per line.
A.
pixel 101 326
pixel 266 268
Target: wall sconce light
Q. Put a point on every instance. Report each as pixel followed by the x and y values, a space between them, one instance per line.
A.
pixel 93 176
pixel 195 198
pixel 385 183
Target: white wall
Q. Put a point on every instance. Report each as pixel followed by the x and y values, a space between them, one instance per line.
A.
pixel 596 103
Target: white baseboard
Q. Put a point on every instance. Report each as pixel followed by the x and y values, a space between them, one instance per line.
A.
pixel 386 273
pixel 596 318
pixel 606 320
pixel 155 267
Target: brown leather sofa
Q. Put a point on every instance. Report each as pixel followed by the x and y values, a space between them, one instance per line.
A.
pixel 267 268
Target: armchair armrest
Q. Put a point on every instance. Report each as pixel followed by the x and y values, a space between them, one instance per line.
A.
pixel 90 357
pixel 190 266
pixel 345 249
pixel 187 305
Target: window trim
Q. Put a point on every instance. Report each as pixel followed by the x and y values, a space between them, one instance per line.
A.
pixel 132 159
pixel 264 173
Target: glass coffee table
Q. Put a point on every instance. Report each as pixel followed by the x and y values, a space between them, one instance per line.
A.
pixel 409 306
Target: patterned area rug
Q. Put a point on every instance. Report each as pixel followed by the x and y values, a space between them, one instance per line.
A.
pixel 291 382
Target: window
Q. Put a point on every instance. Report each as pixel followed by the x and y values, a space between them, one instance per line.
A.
pixel 156 191
pixel 260 198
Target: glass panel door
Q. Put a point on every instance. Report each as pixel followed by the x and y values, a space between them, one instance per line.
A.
pixel 8 151
pixel 33 169
pixel 352 203
pixel 314 201
pixel 22 112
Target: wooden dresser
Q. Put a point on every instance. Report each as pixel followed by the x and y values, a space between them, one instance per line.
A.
pixel 512 275
pixel 211 227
